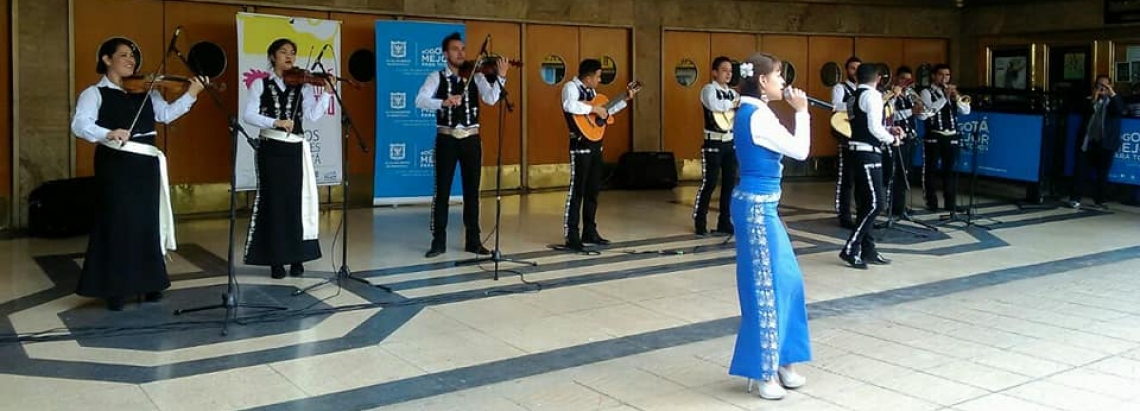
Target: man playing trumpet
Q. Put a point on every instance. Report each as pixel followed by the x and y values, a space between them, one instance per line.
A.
pixel 940 144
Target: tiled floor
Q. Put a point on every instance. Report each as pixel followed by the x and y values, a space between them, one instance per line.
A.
pixel 1039 313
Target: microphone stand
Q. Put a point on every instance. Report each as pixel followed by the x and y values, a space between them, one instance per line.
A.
pixel 347 128
pixel 231 296
pixel 900 163
pixel 497 254
pixel 954 216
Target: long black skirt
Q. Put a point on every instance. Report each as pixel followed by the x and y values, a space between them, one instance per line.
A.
pixel 275 230
pixel 124 254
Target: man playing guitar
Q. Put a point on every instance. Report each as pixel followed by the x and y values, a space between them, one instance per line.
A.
pixel 578 98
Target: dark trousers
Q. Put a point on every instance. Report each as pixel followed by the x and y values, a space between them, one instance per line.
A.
pixel 1099 160
pixel 718 162
pixel 468 152
pixel 843 184
pixel 585 183
pixel 939 156
pixel 870 200
pixel 895 167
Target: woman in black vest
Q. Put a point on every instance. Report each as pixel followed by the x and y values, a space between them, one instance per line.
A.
pixel 135 227
pixel 283 228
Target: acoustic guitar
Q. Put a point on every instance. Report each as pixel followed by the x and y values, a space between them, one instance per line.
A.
pixel 842 123
pixel 592 126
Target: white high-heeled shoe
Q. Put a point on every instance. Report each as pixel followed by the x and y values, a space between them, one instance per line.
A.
pixel 769 390
pixel 790 378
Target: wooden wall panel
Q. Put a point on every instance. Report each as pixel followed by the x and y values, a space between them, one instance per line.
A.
pixel 794 50
pixel 682 120
pixel 198 145
pixel 358 32
pixel 881 50
pixel 821 50
pixel 6 107
pixel 506 41
pixel 931 51
pixel 736 46
pixel 595 42
pixel 91 29
pixel 546 130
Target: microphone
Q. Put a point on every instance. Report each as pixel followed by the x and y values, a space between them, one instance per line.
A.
pixel 811 100
pixel 319 55
pixel 174 40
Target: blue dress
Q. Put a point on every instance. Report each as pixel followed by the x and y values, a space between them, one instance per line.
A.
pixel 774 321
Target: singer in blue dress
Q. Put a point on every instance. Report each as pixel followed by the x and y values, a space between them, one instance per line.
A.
pixel 774 324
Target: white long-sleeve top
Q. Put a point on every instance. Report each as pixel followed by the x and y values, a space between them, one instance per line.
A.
pixel 571 103
pixel 87 111
pixel 934 99
pixel 837 93
pixel 871 102
pixel 313 108
pixel 708 98
pixel 425 98
pixel 767 131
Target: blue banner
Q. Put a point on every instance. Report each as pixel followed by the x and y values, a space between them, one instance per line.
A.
pixel 1125 166
pixel 1008 144
pixel 406 53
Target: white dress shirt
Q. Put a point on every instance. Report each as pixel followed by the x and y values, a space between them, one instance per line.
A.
pixel 871 102
pixel 312 108
pixel 572 105
pixel 768 132
pixel 934 104
pixel 87 111
pixel 425 99
pixel 708 98
pixel 837 93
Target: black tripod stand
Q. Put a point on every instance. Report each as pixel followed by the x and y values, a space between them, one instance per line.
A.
pixel 347 128
pixel 900 163
pixel 231 296
pixel 497 254
pixel 955 216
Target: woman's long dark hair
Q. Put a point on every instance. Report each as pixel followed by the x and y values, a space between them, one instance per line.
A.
pixel 762 64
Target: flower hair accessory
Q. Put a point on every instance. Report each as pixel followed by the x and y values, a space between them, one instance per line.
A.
pixel 746 70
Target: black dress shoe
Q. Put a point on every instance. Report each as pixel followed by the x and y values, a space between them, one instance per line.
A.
pixel 853 261
pixel 594 239
pixel 296 270
pixel 115 304
pixel 848 224
pixel 878 259
pixel 575 245
pixel 277 271
pixel 724 229
pixel 477 249
pixel 702 231
pixel 153 296
pixel 434 251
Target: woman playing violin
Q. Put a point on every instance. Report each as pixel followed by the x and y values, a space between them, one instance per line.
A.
pixel 134 229
pixel 283 228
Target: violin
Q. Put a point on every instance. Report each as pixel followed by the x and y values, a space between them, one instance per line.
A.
pixel 297 76
pixel 142 83
pixel 486 65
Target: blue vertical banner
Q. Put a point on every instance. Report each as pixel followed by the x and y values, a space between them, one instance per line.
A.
pixel 406 53
pixel 1007 145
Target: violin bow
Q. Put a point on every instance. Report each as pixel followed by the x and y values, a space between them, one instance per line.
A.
pixel 146 98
